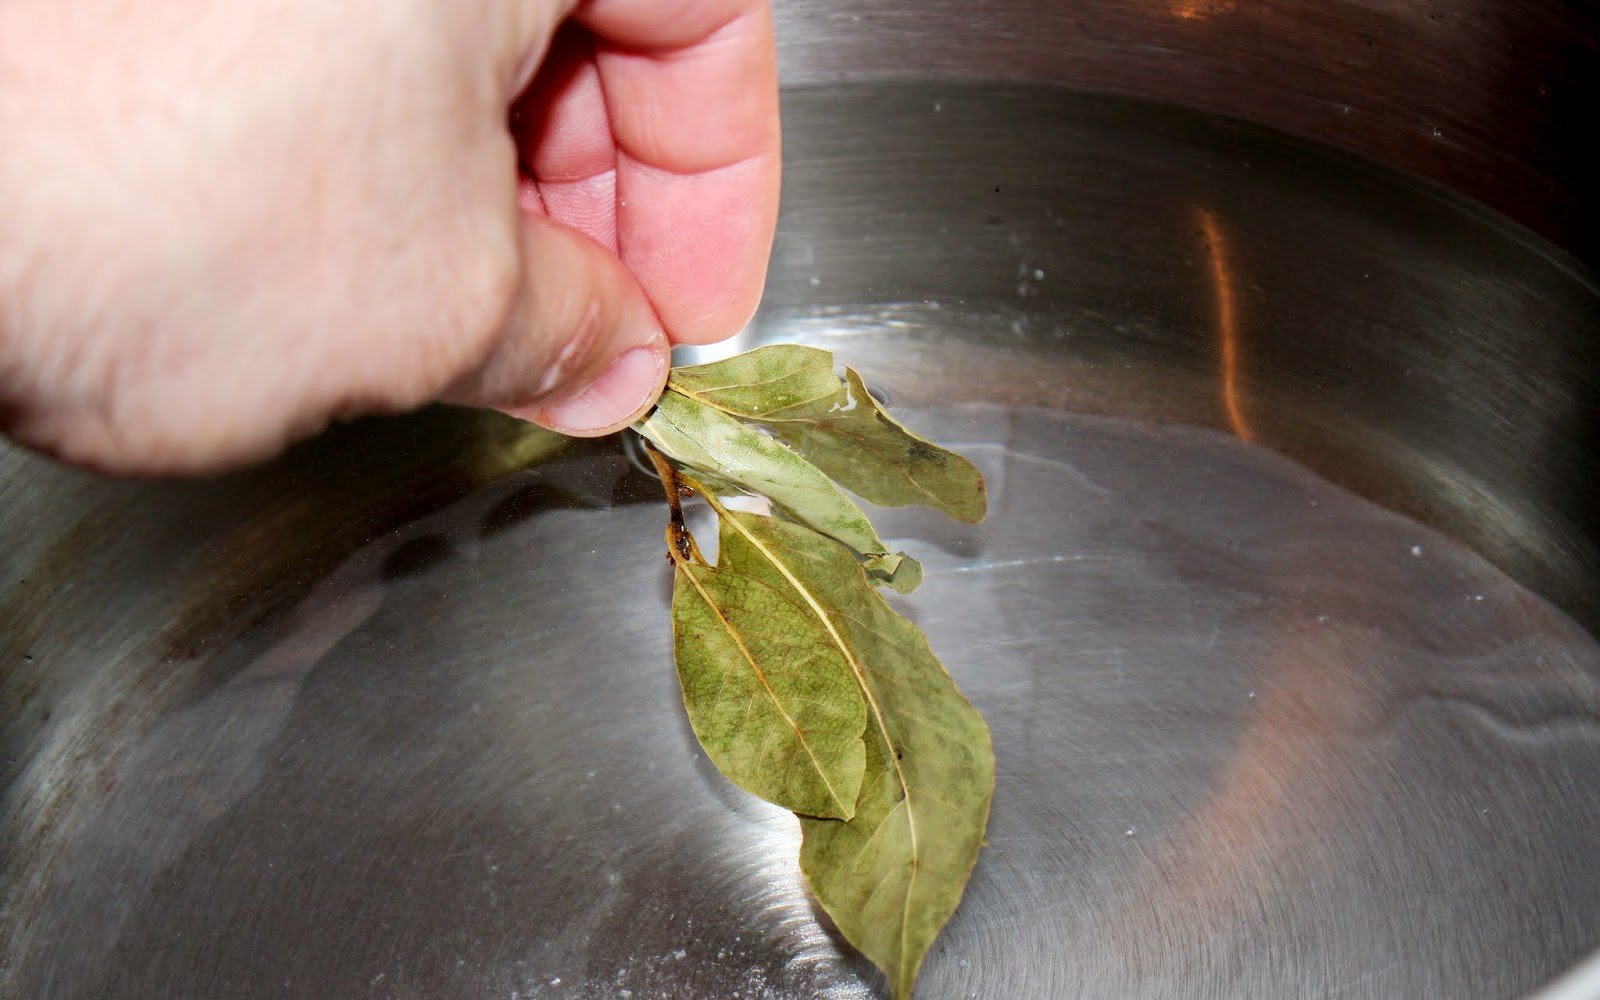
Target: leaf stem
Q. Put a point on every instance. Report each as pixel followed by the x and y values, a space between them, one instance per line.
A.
pixel 681 545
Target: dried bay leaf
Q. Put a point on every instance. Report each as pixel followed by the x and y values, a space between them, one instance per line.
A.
pixel 873 455
pixel 802 683
pixel 761 382
pixel 893 874
pixel 897 570
pixel 838 426
pixel 703 438
pixel 768 689
pixel 903 578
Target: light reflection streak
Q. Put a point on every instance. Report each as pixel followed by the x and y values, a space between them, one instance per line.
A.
pixel 1222 282
pixel 1200 10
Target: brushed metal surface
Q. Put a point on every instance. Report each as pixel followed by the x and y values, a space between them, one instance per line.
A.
pixel 1279 619
pixel 1490 97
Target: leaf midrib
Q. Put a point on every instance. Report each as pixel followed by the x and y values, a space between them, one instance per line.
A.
pixel 866 525
pixel 872 702
pixel 733 385
pixel 772 418
pixel 847 809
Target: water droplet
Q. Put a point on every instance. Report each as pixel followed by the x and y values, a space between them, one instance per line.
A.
pixel 1416 550
pixel 1128 832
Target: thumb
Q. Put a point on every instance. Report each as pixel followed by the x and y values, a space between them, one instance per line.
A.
pixel 581 351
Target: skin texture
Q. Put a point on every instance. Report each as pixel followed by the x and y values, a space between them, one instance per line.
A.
pixel 222 226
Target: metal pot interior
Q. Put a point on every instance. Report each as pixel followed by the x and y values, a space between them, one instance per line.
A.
pixel 1282 617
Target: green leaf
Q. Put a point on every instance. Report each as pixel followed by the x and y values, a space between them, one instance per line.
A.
pixel 903 574
pixel 895 570
pixel 891 875
pixel 767 686
pixel 762 381
pixel 704 438
pixel 838 426
pixel 802 683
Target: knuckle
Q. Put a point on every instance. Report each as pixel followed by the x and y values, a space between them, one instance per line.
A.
pixel 579 329
pixel 556 336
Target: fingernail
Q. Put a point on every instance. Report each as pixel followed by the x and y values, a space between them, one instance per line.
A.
pixel 631 383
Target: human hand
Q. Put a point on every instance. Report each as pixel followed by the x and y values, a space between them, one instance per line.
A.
pixel 223 225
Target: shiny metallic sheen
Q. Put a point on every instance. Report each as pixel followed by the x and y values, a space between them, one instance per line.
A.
pixel 1489 97
pixel 382 720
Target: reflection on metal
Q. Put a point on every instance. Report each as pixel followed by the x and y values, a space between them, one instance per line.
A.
pixel 1199 10
pixel 1581 983
pixel 1508 83
pixel 1227 324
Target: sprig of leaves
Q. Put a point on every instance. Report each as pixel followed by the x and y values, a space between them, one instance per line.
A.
pixel 801 682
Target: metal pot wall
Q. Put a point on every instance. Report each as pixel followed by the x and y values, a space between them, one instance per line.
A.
pixel 1282 618
pixel 1489 97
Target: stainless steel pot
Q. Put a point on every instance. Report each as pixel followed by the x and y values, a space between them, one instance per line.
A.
pixel 1282 619
pixel 1489 97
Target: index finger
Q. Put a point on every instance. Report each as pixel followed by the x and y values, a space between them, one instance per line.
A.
pixel 691 91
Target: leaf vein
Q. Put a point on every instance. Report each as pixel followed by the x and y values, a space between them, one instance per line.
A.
pixel 844 807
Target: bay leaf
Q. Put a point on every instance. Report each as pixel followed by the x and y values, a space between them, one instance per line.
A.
pixel 801 682
pixel 704 438
pixel 838 426
pixel 903 575
pixel 896 570
pixel 891 875
pixel 766 683
pixel 762 381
